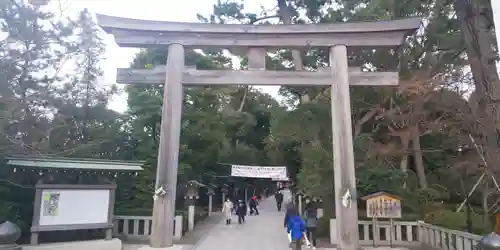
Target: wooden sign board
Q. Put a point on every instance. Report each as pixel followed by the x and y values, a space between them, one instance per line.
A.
pixel 383 205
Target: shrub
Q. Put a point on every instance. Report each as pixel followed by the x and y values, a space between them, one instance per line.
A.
pixel 323 229
pixel 456 221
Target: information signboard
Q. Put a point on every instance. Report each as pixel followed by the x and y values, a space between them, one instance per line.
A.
pixel 383 205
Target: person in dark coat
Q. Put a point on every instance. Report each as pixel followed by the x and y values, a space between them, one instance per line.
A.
pixel 241 211
pixel 235 206
pixel 279 199
pixel 311 218
pixel 253 206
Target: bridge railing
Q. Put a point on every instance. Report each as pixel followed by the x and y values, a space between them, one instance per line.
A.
pixel 446 239
pixel 408 233
pixel 404 233
pixel 139 227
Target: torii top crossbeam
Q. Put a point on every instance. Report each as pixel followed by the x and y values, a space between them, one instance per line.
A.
pixel 144 33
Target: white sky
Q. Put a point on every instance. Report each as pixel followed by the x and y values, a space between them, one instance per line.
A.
pixel 495 5
pixel 164 10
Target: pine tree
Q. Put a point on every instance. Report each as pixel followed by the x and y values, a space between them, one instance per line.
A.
pixel 30 59
pixel 84 97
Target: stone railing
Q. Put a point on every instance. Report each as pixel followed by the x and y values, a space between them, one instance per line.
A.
pixel 406 233
pixel 139 227
pixel 447 239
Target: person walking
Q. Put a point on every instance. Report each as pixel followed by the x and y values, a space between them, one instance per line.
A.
pixel 253 206
pixel 279 199
pixel 311 218
pixel 241 211
pixel 295 227
pixel 227 209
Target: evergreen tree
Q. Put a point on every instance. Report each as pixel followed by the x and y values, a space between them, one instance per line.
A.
pixel 31 58
pixel 83 98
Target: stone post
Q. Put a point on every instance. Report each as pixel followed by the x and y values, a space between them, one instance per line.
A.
pixel 191 197
pixel 210 194
pixel 191 210
pixel 299 202
pixel 178 227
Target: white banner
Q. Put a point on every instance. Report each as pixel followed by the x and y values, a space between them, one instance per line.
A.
pixel 280 179
pixel 258 172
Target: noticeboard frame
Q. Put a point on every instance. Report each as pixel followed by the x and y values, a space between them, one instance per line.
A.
pixel 36 228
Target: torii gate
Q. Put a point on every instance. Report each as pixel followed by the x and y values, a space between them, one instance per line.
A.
pixel 256 39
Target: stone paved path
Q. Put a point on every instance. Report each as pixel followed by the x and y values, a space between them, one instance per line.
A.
pixel 264 231
pixel 261 232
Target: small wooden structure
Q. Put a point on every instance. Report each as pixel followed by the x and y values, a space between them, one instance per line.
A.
pixel 497 223
pixel 382 205
pixel 192 190
pixel 192 194
pixel 256 40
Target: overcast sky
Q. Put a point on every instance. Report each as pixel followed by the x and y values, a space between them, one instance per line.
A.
pixel 164 10
pixel 182 11
pixel 496 14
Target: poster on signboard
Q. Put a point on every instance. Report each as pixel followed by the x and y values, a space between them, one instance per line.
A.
pixel 50 204
pixel 271 172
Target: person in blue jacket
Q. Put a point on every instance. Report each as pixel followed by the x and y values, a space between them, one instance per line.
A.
pixel 296 227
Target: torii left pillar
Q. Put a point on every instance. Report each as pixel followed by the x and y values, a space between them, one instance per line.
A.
pixel 168 152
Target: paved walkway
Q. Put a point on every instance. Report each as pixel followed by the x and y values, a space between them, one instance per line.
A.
pixel 264 231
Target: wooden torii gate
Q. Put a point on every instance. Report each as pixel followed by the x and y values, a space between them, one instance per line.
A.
pixel 256 40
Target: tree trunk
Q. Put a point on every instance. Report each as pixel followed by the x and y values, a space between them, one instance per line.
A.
pixel 358 127
pixel 486 193
pixel 478 37
pixel 403 164
pixel 418 157
pixel 243 100
pixel 286 18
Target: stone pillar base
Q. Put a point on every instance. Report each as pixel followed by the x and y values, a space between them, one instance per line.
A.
pixel 174 247
pixel 114 244
pixel 10 247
